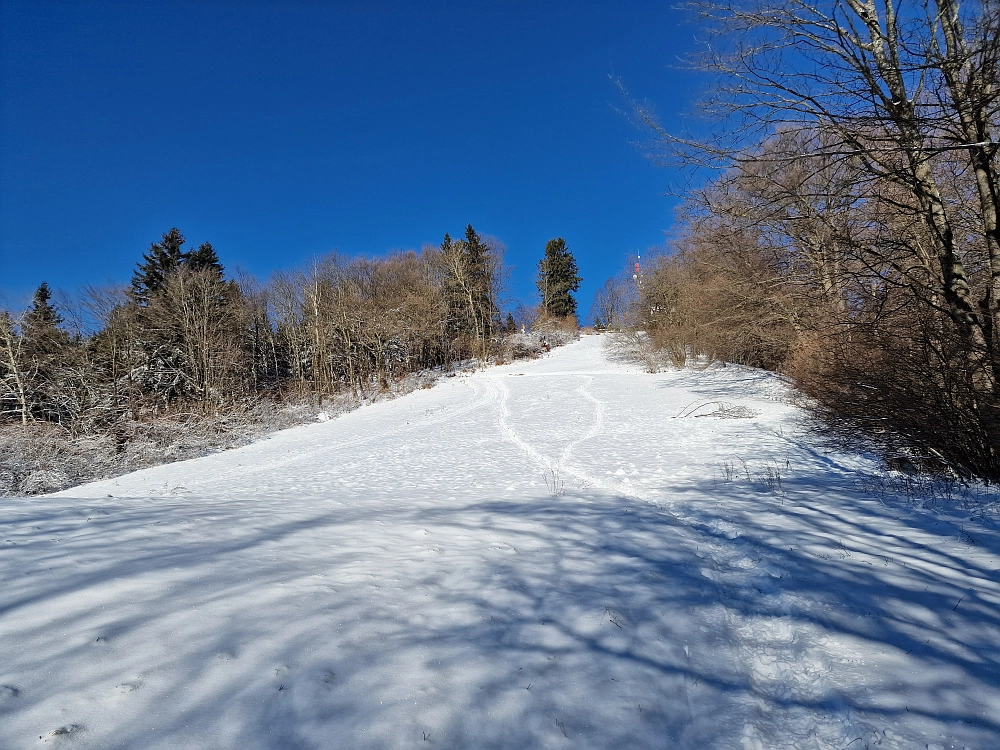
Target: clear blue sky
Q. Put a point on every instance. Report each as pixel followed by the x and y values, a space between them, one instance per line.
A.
pixel 285 129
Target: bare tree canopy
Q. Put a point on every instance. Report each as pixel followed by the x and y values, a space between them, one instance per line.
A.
pixel 856 200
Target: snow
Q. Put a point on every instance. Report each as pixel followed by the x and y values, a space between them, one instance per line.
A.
pixel 538 555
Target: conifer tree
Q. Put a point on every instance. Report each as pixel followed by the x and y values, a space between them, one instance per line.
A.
pixel 558 279
pixel 160 261
pixel 468 284
pixel 204 257
pixel 187 324
pixel 167 256
pixel 484 308
pixel 453 287
pixel 41 322
pixel 45 353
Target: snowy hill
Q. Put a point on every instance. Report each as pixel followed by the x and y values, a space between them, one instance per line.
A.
pixel 539 555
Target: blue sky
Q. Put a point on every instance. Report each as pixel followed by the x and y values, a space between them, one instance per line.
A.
pixel 283 130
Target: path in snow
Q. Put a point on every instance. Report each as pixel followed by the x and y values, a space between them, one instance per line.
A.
pixel 536 555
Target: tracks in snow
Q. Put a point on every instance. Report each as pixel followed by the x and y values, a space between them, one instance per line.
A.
pixel 555 468
pixel 779 662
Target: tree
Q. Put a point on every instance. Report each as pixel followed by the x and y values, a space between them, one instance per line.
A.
pixel 470 271
pixel 900 99
pixel 159 261
pixel 894 88
pixel 613 302
pixel 13 374
pixel 165 257
pixel 187 327
pixel 455 282
pixel 115 350
pixel 43 339
pixel 47 349
pixel 557 280
pixel 204 258
pixel 41 322
pixel 39 363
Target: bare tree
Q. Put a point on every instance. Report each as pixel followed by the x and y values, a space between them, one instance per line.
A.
pixel 472 277
pixel 891 109
pixel 13 368
pixel 894 87
pixel 614 302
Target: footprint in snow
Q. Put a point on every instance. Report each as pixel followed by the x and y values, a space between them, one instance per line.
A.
pixel 724 528
pixel 68 729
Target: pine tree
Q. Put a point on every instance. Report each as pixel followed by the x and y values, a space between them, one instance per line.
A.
pixel 46 351
pixel 558 279
pixel 453 287
pixel 484 309
pixel 167 256
pixel 204 257
pixel 44 341
pixel 468 285
pixel 476 259
pixel 160 261
pixel 187 322
pixel 41 322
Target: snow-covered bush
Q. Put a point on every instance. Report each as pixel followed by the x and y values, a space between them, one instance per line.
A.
pixel 536 342
pixel 637 347
pixel 41 457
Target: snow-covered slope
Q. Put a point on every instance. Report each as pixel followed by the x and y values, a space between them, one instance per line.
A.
pixel 531 556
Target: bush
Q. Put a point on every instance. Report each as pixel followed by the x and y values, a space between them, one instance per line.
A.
pixel 902 386
pixel 41 457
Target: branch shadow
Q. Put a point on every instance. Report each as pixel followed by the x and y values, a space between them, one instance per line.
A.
pixel 585 619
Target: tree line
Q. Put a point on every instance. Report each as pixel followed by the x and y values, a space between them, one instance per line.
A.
pixel 183 337
pixel 850 236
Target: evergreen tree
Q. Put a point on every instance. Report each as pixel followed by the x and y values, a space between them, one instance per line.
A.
pixel 453 287
pixel 44 341
pixel 186 325
pixel 46 353
pixel 167 256
pixel 468 285
pixel 160 261
pixel 558 279
pixel 204 258
pixel 41 322
pixel 478 261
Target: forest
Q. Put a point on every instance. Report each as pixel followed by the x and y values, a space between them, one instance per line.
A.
pixel 186 360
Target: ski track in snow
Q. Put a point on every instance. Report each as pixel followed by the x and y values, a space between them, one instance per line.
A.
pixel 537 555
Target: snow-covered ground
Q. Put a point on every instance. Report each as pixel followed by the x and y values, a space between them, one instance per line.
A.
pixel 531 556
